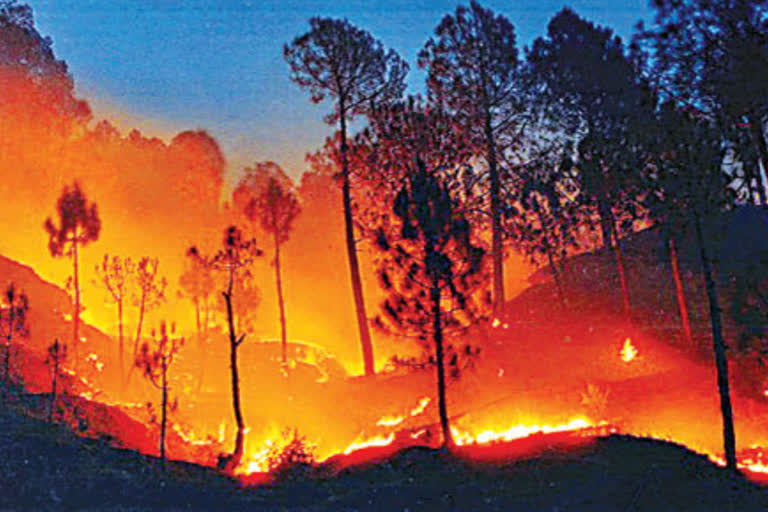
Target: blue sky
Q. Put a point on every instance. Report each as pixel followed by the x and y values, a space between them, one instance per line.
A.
pixel 168 65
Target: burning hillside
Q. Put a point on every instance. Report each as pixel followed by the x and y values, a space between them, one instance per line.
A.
pixel 364 317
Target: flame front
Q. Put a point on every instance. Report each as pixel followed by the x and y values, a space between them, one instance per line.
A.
pixel 463 437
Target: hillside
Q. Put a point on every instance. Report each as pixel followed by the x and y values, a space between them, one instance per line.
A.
pixel 51 469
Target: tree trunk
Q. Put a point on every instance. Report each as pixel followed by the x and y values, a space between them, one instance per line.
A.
pixel 620 270
pixel 200 351
pixel 437 335
pixel 76 314
pixel 53 386
pixel 120 333
pixel 164 414
pixel 281 304
pixel 606 220
pixel 139 324
pixel 721 361
pixel 758 135
pixel 496 249
pixel 237 454
pixel 680 293
pixel 354 266
pixel 138 335
pixel 558 284
pixel 7 363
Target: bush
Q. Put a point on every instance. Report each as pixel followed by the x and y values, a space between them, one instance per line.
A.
pixel 292 459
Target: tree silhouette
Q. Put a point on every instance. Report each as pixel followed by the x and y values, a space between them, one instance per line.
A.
pixel 233 258
pixel 78 225
pixel 472 65
pixel 608 106
pixel 198 285
pixel 431 270
pixel 273 203
pixel 114 274
pixel 57 354
pixel 148 292
pixel 337 60
pixel 154 360
pixel 13 322
pixel 688 172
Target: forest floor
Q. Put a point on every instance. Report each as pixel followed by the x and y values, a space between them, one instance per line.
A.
pixel 47 467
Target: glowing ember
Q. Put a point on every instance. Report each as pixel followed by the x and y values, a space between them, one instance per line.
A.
pixel 463 438
pixel 628 351
pixel 94 360
pixel 496 322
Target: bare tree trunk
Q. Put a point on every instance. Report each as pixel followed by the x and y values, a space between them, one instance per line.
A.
pixel 237 454
pixel 620 269
pixel 53 386
pixel 721 361
pixel 7 364
pixel 437 335
pixel 680 293
pixel 354 266
pixel 200 351
pixel 120 332
pixel 139 324
pixel 606 220
pixel 558 283
pixel 281 304
pixel 164 413
pixel 76 314
pixel 496 248
pixel 138 333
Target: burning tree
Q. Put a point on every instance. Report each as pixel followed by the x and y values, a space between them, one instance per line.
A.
pixel 274 204
pixel 233 258
pixel 57 354
pixel 338 60
pixel 198 285
pixel 78 225
pixel 154 361
pixel 149 292
pixel 472 65
pixel 114 274
pixel 431 270
pixel 13 322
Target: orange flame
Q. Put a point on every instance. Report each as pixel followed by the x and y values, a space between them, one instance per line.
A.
pixel 463 437
pixel 628 351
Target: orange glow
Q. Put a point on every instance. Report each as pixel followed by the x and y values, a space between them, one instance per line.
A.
pixel 158 197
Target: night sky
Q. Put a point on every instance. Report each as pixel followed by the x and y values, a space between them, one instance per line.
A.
pixel 164 66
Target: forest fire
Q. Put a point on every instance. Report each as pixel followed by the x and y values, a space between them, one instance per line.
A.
pixel 451 278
